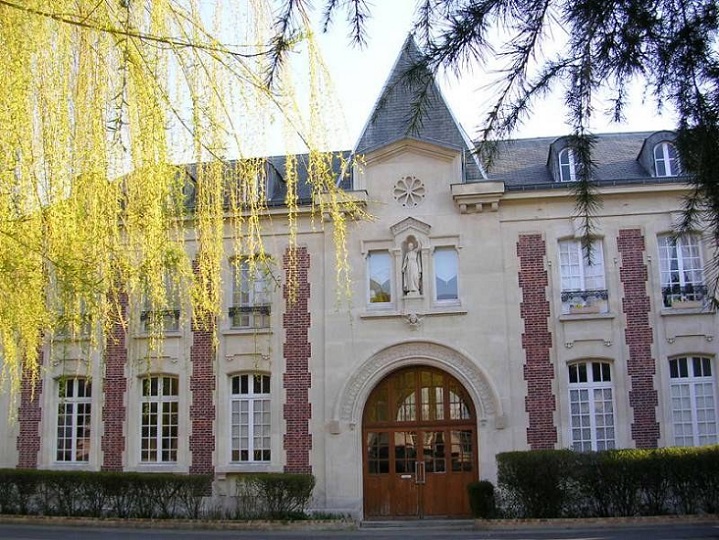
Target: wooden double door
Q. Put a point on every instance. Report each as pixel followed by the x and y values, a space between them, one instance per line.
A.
pixel 419 434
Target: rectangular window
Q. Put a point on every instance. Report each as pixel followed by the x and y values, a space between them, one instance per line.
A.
pixel 445 274
pixel 73 420
pixel 582 275
pixel 693 394
pixel 680 271
pixel 250 418
pixel 379 266
pixel 251 294
pixel 591 406
pixel 159 422
pixel 164 318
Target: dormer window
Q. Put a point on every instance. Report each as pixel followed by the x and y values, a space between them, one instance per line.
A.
pixel 666 160
pixel 567 166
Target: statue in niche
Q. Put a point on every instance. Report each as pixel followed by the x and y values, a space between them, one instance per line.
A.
pixel 412 269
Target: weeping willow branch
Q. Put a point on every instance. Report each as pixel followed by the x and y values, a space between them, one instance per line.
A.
pixel 99 101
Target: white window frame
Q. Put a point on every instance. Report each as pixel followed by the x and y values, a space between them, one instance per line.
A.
pixel 165 406
pixel 439 250
pixel 586 278
pixel 74 420
pixel 566 159
pixel 251 293
pixel 250 418
pixel 391 278
pixel 693 401
pixel 662 155
pixel 689 272
pixel 588 400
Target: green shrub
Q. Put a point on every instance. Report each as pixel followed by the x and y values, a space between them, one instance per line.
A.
pixel 556 483
pixel 274 495
pixel 481 499
pixel 111 494
pixel 540 482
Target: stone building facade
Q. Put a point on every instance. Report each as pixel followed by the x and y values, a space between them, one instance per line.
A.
pixel 476 325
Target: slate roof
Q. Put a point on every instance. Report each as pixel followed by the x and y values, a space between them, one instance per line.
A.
pixel 275 167
pixel 390 120
pixel 523 163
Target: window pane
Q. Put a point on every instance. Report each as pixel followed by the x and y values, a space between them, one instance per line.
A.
pixel 680 269
pixel 693 401
pixel 582 278
pixel 159 419
pixel 251 293
pixel 591 406
pixel 73 420
pixel 250 418
pixel 567 168
pixel 666 160
pixel 380 277
pixel 445 272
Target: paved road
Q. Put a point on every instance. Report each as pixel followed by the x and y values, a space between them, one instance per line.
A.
pixel 658 532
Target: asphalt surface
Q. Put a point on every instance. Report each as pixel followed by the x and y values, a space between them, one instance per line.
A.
pixel 658 531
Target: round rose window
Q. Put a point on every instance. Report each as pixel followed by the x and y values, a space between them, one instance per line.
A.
pixel 409 191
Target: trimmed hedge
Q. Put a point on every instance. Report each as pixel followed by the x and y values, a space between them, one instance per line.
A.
pixel 481 499
pixel 563 483
pixel 102 494
pixel 274 495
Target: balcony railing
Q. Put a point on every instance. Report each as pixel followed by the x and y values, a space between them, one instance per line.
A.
pixel 251 316
pixel 687 296
pixel 167 320
pixel 585 302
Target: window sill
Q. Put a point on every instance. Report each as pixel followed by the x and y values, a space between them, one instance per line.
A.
pixel 167 335
pixel 248 467
pixel 71 339
pixel 71 466
pixel 174 466
pixel 434 311
pixel 449 306
pixel 585 316
pixel 246 331
pixel 671 312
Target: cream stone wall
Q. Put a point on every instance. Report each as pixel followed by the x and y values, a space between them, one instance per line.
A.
pixel 9 429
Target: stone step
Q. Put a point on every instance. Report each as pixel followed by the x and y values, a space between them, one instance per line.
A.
pixel 445 524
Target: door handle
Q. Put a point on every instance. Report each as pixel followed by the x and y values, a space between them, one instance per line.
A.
pixel 419 472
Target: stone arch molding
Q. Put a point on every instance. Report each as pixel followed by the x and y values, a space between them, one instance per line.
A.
pixel 350 402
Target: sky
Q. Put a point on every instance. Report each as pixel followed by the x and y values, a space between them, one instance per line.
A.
pixel 359 75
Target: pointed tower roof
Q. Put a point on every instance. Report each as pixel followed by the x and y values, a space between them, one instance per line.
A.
pixel 391 119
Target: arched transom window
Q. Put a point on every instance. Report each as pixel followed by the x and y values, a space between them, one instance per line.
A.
pixel 414 395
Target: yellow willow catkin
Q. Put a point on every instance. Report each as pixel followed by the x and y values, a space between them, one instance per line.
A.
pixel 102 106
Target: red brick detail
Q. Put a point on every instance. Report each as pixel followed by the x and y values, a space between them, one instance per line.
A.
pixel 112 442
pixel 202 387
pixel 641 367
pixel 540 402
pixel 29 416
pixel 297 351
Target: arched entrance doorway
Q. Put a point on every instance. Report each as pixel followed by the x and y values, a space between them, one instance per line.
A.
pixel 419 445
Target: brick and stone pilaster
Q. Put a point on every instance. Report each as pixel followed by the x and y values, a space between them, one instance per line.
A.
pixel 297 351
pixel 540 402
pixel 202 387
pixel 114 388
pixel 641 366
pixel 29 417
